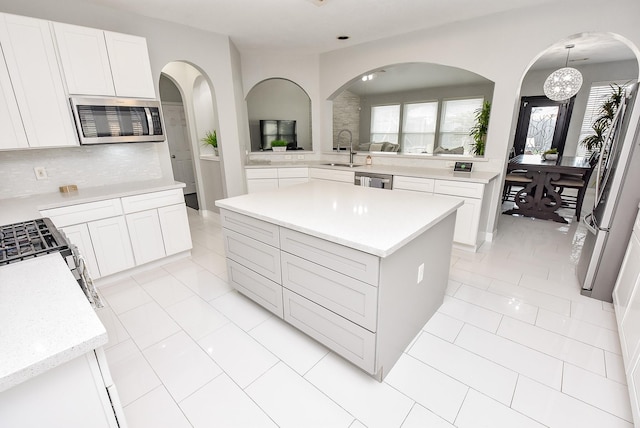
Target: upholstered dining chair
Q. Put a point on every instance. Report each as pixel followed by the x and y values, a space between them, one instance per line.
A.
pixel 576 181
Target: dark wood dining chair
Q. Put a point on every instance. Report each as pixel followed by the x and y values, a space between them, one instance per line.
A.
pixel 576 181
pixel 516 178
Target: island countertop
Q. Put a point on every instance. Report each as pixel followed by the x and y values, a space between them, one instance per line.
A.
pixel 372 220
pixel 45 319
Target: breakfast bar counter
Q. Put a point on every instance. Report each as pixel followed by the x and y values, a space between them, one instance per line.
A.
pixel 359 269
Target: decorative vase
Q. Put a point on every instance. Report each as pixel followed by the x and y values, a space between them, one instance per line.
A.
pixel 215 151
pixel 550 156
pixel 279 148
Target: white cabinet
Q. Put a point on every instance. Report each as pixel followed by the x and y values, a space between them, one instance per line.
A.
pixel 414 184
pixel 174 224
pixel 146 236
pixel 468 216
pixel 84 58
pixel 331 175
pixel 111 245
pixel 79 235
pixel 626 302
pixel 12 134
pixel 73 394
pixel 97 62
pixel 28 48
pixel 265 179
pixel 130 65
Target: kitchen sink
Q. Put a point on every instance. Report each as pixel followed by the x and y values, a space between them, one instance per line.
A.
pixel 346 165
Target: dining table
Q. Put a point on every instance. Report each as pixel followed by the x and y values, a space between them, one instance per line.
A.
pixel 539 197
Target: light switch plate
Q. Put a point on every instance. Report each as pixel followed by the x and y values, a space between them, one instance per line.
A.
pixel 41 173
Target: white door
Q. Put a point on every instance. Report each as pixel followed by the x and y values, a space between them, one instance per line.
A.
pixel 175 124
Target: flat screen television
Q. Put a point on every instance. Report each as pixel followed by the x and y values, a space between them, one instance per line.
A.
pixel 278 130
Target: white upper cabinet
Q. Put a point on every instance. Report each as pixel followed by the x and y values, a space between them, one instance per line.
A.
pixel 84 58
pixel 27 45
pixel 130 66
pixel 12 134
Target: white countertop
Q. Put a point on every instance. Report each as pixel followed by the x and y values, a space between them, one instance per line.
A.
pixel 372 220
pixel 409 171
pixel 45 319
pixel 14 210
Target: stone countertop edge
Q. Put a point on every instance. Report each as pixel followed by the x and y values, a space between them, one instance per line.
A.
pixel 45 319
pixel 408 171
pixel 13 210
pixel 374 242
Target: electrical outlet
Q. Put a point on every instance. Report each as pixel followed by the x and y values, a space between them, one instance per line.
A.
pixel 41 173
pixel 420 273
pixel 300 157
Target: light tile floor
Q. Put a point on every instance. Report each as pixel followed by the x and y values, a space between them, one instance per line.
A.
pixel 513 345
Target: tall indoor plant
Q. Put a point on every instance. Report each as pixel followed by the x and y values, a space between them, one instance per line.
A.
pixel 601 124
pixel 479 130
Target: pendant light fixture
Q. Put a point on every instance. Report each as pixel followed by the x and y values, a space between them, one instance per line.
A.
pixel 564 83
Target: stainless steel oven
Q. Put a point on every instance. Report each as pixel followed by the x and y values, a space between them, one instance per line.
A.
pixel 35 238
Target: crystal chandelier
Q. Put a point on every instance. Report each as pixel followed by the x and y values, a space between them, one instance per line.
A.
pixel 564 83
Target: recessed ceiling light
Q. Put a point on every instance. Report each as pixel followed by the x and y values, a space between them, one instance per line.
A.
pixel 342 37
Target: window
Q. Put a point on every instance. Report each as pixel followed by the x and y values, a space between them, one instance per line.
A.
pixel 385 123
pixel 598 93
pixel 419 127
pixel 424 126
pixel 458 117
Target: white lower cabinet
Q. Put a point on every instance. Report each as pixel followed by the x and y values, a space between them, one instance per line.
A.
pixel 79 235
pixel 332 175
pixel 255 286
pixel 146 236
pixel 626 303
pixel 119 233
pixel 73 394
pixel 266 179
pixel 111 245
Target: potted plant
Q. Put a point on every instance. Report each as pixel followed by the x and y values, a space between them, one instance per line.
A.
pixel 279 145
pixel 210 139
pixel 479 130
pixel 602 123
pixel 551 154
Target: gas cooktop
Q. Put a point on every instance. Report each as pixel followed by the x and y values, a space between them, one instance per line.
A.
pixel 33 238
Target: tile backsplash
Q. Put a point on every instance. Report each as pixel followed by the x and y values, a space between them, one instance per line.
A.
pixel 85 166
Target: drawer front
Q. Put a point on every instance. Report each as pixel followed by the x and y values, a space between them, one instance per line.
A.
pixel 147 201
pixel 252 173
pixel 293 172
pixel 353 299
pixel 286 182
pixel 264 292
pixel 356 264
pixel 255 255
pixel 459 188
pixel 82 213
pixel 254 228
pixel 330 174
pixel 352 342
pixel 413 183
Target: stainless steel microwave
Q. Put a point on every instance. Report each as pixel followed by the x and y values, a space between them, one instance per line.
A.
pixel 117 120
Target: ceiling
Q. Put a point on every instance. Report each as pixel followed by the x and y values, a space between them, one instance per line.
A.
pixel 311 26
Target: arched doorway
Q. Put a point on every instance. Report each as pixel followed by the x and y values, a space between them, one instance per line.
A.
pixel 188 119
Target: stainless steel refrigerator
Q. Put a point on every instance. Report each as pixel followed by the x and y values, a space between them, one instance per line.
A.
pixel 616 205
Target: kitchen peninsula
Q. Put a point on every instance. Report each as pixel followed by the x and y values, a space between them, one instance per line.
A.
pixel 359 269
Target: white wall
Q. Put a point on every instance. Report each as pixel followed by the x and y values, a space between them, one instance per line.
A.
pixel 212 53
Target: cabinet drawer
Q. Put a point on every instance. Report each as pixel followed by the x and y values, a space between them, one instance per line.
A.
pixel 266 293
pixel 352 342
pixel 413 183
pixel 254 228
pixel 147 201
pixel 353 299
pixel 459 188
pixel 293 172
pixel 333 175
pixel 255 255
pixel 353 263
pixel 82 213
pixel 252 173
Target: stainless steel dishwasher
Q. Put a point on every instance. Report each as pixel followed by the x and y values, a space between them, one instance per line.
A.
pixel 369 179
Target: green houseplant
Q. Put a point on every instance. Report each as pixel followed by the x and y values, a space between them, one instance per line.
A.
pixel 210 139
pixel 479 130
pixel 601 124
pixel 279 145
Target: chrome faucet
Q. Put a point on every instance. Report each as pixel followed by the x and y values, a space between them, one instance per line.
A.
pixel 351 152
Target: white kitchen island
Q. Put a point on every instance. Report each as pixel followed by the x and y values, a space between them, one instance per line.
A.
pixel 360 270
